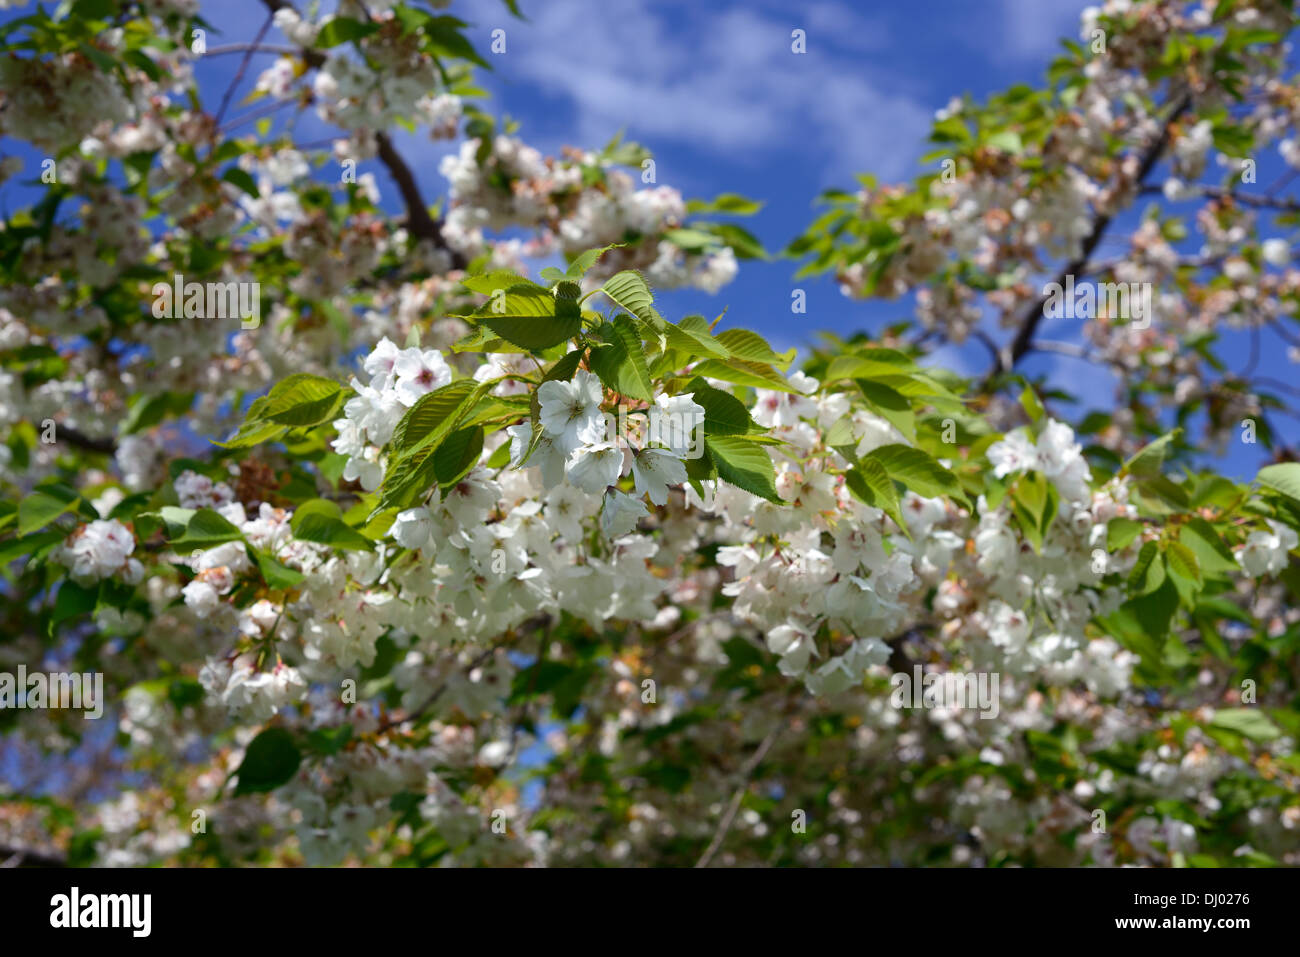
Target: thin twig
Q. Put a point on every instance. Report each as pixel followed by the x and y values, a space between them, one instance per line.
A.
pixel 725 824
pixel 239 74
pixel 1071 349
pixel 1255 200
pixel 25 857
pixel 432 699
pixel 229 48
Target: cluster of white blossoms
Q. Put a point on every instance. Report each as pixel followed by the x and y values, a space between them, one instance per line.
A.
pixel 116 224
pixel 355 97
pixel 398 378
pixel 1055 454
pixel 1267 552
pixel 101 549
pixel 580 444
pixel 997 196
pixel 593 531
pixel 198 491
pixel 828 584
pixel 516 185
pixel 56 103
pixel 826 579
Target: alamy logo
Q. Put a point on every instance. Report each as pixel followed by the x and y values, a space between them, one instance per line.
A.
pixel 56 690
pixel 103 910
pixel 1122 300
pixel 213 300
pixel 947 689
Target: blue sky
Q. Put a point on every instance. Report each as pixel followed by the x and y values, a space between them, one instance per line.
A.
pixel 715 92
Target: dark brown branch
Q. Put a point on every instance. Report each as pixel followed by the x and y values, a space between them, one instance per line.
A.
pixel 86 443
pixel 239 74
pixel 1015 351
pixel 229 48
pixel 418 220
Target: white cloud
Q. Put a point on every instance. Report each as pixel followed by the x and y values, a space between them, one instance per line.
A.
pixel 723 80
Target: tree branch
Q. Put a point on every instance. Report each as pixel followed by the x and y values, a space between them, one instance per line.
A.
pixel 1071 349
pixel 418 221
pixel 239 74
pixel 725 824
pixel 81 440
pixel 1015 351
pixel 1245 199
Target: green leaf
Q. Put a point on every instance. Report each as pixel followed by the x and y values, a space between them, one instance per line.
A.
pixel 1182 562
pixel 276 574
pixel 1250 723
pixel 489 282
pixel 408 478
pixel 456 455
pixel 302 400
pixel 1284 478
pixel 1166 490
pixel 243 180
pixel 724 414
pixel 207 529
pixel 621 363
pixel 725 203
pixel 585 260
pixel 342 30
pixel 1033 408
pixel 870 483
pixel 694 342
pixel 271 760
pixel 744 464
pixel 531 319
pixel 44 505
pixel 1035 502
pixel 743 243
pixel 917 471
pixel 869 364
pixel 435 414
pixel 1148 572
pixel 564 367
pixel 72 601
pixel 1008 141
pixel 150 410
pixel 28 545
pixel 630 290
pixel 1155 610
pixel 329 740
pixel 253 433
pixel 1147 462
pixel 743 344
pixel 321 521
pixel 1120 533
pixel 1212 556
pixel 760 375
pixel 693 241
pixel 891 405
